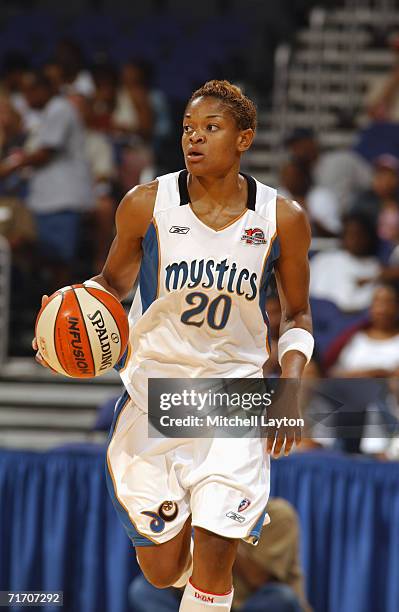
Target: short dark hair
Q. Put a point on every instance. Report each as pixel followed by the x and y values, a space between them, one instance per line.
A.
pixel 241 107
pixel 40 79
pixel 299 134
pixel 367 224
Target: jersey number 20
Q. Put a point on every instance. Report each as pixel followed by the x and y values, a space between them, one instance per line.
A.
pixel 218 310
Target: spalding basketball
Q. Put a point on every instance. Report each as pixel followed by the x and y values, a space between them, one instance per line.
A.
pixel 82 331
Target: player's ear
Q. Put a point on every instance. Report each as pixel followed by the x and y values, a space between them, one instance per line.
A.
pixel 245 139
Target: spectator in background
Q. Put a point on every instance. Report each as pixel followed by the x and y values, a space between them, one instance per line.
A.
pixel 134 114
pixel 381 202
pixel 364 364
pixel 100 156
pixel 15 66
pixel 16 222
pixel 303 148
pixel 12 139
pixel 17 226
pixel 68 69
pixel 60 186
pixel 104 100
pixel 133 110
pixel 374 351
pixel 381 135
pixel 265 577
pixel 269 576
pixel 382 98
pixel 345 276
pixel 122 106
pixel 117 114
pixel 341 173
pixel 15 69
pixel 320 203
pixel 150 107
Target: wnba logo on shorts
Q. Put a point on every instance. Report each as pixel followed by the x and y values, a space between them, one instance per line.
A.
pixel 254 235
pixel 244 504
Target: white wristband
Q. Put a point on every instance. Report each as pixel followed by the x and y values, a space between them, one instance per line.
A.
pixel 296 339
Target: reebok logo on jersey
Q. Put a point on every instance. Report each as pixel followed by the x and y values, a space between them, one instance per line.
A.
pixel 176 229
pixel 253 235
pixel 236 517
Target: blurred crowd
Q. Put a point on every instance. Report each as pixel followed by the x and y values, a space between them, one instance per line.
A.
pixel 72 142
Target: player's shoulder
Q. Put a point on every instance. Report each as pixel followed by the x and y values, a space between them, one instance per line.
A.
pixel 291 216
pixel 141 197
pixel 137 206
pixel 293 226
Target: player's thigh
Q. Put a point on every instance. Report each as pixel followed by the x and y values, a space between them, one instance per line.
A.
pixel 143 479
pixel 230 488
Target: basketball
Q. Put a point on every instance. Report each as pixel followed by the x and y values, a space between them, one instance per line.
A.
pixel 82 331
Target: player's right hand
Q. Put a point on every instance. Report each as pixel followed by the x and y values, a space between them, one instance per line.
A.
pixel 38 356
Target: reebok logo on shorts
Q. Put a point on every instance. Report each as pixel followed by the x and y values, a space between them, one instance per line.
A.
pixel 236 517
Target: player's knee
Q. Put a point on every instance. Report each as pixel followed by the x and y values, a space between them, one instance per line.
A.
pixel 216 554
pixel 162 578
pixel 161 573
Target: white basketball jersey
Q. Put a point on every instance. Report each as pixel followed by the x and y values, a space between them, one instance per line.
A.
pixel 199 310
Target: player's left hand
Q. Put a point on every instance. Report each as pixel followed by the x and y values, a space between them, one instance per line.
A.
pixel 283 416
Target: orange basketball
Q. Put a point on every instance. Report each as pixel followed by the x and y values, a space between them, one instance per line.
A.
pixel 82 331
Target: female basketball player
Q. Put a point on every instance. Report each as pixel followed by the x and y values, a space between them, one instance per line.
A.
pixel 204 241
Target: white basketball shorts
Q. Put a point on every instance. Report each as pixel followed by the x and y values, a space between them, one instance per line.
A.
pixel 157 483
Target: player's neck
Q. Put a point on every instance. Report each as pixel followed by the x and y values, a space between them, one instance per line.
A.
pixel 224 191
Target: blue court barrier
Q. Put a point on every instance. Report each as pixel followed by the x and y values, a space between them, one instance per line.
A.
pixel 59 531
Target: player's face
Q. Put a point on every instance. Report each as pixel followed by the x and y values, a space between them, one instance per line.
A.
pixel 212 143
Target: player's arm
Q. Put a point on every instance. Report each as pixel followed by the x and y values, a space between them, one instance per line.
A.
pixel 292 275
pixel 132 219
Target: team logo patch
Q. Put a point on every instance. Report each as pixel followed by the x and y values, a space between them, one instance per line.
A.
pixel 176 229
pixel 253 235
pixel 235 517
pixel 243 505
pixel 168 511
pixel 157 525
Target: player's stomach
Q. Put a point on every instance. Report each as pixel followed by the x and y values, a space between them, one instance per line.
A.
pixel 164 346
